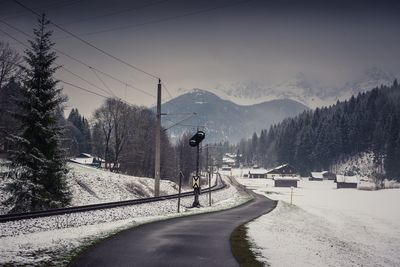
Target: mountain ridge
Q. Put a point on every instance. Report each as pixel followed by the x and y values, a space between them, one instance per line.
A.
pixel 224 120
pixel 309 91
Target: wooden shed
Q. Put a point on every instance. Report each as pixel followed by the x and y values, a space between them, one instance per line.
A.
pixel 257 173
pixel 346 181
pixel 287 181
pixel 324 175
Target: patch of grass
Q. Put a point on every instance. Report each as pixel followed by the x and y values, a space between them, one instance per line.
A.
pixel 240 247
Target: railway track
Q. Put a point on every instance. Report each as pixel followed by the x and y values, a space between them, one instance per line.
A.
pixel 60 211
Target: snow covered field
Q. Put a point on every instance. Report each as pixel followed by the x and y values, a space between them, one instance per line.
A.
pixel 54 239
pixel 326 226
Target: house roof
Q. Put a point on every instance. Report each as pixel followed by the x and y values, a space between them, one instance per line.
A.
pixel 82 160
pixel 318 174
pixel 257 171
pixel 286 178
pixel 277 168
pixel 347 179
pixel 228 160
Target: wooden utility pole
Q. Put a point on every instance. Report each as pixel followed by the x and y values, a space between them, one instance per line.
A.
pixel 158 143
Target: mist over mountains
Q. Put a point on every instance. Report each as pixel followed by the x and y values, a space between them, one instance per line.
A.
pixel 232 112
pixel 310 91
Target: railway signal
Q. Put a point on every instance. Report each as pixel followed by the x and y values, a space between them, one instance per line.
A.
pixel 195 142
pixel 197 138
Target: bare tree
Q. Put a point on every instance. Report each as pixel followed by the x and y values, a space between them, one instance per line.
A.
pixel 120 114
pixel 10 62
pixel 103 120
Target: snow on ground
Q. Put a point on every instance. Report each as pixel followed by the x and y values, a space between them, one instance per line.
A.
pixel 90 185
pixel 54 239
pixel 326 226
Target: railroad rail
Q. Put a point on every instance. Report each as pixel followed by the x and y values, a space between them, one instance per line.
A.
pixel 60 211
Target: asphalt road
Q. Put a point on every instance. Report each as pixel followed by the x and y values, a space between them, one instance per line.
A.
pixel 199 240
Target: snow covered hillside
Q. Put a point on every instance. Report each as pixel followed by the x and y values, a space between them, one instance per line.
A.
pixel 90 185
pixel 326 226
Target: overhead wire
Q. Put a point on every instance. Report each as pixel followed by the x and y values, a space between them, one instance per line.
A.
pixel 117 12
pixel 104 84
pixel 177 123
pixel 81 62
pixel 84 89
pixel 53 6
pixel 88 43
pixel 57 65
pixel 156 21
pixel 88 82
pixel 166 89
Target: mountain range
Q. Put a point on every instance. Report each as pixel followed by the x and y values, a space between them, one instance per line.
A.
pixel 223 120
pixel 232 112
pixel 311 92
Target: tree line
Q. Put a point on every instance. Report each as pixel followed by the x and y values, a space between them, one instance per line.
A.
pixel 317 140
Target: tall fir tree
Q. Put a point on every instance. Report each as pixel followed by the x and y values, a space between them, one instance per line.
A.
pixel 40 166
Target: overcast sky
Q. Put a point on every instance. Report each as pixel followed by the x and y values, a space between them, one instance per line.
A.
pixel 202 44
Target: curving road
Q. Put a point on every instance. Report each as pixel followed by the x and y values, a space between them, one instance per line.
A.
pixel 199 240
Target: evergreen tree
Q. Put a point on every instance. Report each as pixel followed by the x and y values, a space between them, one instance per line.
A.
pixel 81 135
pixel 39 163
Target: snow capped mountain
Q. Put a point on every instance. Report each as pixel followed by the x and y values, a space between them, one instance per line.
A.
pixel 311 92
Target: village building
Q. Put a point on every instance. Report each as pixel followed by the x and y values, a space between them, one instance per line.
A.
pixel 257 173
pixel 226 168
pixel 229 159
pixel 324 175
pixel 88 159
pixel 343 181
pixel 85 159
pixel 284 170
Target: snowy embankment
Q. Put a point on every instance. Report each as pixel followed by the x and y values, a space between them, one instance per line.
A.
pixel 326 226
pixel 90 185
pixel 54 239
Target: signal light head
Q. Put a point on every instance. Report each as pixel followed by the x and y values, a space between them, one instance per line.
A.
pixel 197 138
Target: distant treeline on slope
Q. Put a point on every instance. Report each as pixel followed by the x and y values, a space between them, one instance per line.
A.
pixel 316 140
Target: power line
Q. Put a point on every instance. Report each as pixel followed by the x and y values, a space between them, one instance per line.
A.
pixel 88 43
pixel 105 85
pixel 88 82
pixel 69 71
pixel 79 61
pixel 156 21
pixel 117 12
pixel 91 92
pixel 53 6
pixel 84 89
pixel 166 89
pixel 179 122
pixel 122 82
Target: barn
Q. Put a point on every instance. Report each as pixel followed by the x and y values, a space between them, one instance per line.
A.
pixel 286 181
pixel 346 181
pixel 257 173
pixel 284 170
pixel 324 175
